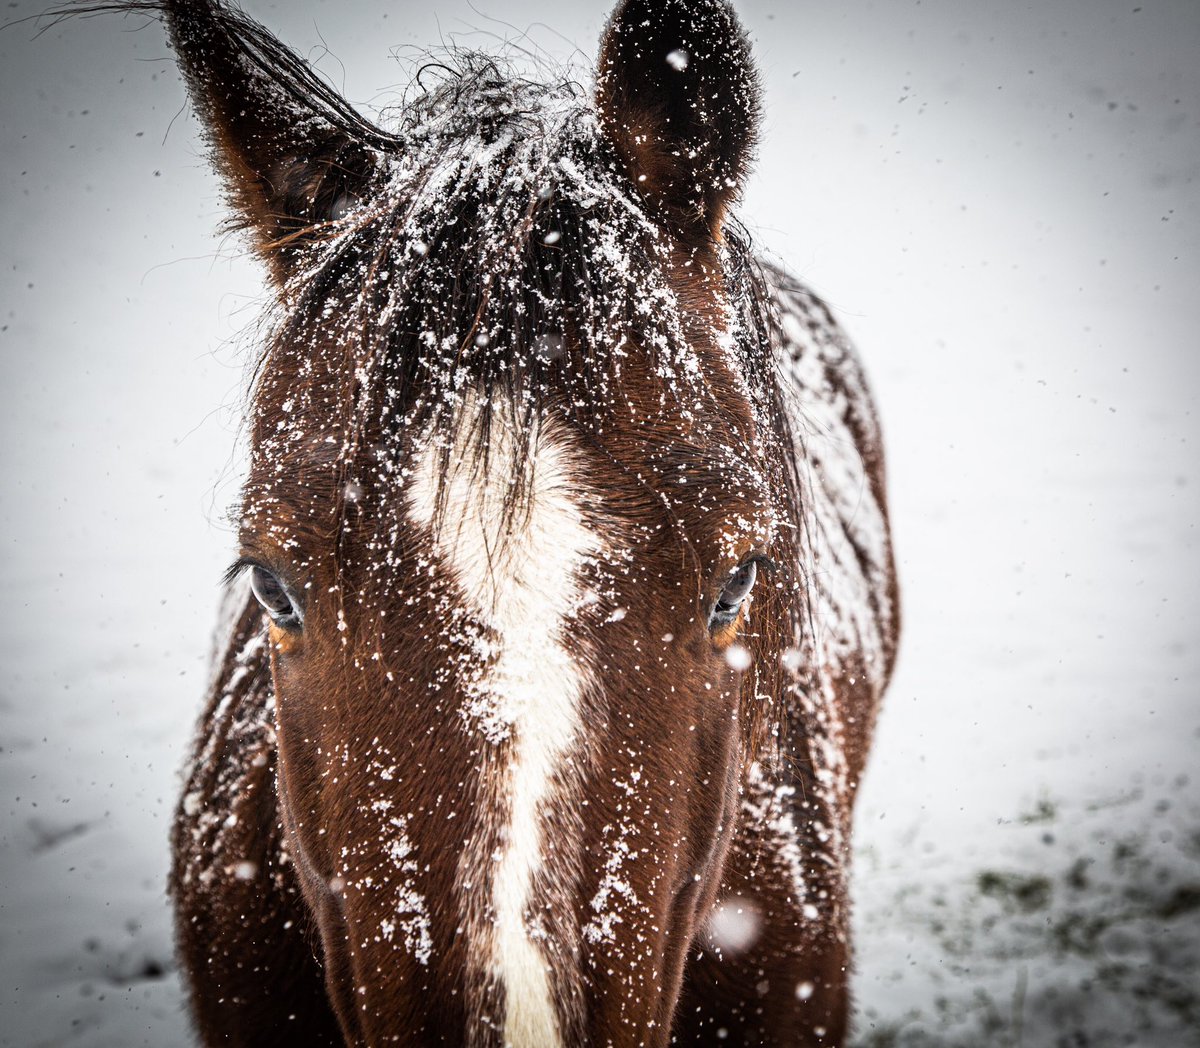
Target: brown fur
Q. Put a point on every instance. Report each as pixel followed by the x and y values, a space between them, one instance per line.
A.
pixel 717 776
pixel 686 135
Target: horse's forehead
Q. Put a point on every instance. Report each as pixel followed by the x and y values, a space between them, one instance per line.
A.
pixel 654 312
pixel 490 461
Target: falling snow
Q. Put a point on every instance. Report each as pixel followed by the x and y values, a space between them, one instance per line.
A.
pixel 961 918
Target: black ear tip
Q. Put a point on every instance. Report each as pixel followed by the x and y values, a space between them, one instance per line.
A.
pixel 706 24
pixel 644 25
pixel 649 43
pixel 675 9
pixel 679 96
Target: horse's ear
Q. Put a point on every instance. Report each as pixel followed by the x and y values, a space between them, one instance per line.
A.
pixel 291 150
pixel 679 99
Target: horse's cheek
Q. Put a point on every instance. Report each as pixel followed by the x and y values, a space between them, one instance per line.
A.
pixel 298 719
pixel 712 792
pixel 719 748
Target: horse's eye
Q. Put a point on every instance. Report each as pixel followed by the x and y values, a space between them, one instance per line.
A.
pixel 734 595
pixel 271 594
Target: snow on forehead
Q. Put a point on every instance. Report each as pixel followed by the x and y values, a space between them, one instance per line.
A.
pixel 498 213
pixel 487 168
pixel 507 135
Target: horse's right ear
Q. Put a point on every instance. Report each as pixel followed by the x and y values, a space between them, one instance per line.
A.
pixel 291 150
pixel 678 98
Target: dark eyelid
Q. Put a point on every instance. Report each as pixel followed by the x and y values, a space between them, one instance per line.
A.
pixel 240 565
pixel 760 560
pixel 764 562
pixel 247 561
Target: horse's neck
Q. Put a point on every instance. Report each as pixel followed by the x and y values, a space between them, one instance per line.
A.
pixel 846 646
pixel 846 557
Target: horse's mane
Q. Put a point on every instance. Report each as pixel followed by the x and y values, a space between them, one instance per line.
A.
pixel 485 220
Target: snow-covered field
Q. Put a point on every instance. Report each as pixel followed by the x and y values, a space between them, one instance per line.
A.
pixel 1000 200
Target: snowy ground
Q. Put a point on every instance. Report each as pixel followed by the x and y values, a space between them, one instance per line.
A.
pixel 1001 202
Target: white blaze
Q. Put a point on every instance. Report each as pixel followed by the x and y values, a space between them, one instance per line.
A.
pixel 523 584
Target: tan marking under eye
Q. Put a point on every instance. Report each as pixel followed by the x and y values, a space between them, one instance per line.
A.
pixel 725 635
pixel 285 642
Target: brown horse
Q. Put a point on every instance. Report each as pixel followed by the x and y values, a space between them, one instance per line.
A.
pixel 565 598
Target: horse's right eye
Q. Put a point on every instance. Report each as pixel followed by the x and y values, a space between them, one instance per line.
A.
pixel 734 595
pixel 273 596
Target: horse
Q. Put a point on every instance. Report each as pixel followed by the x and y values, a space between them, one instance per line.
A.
pixel 565 597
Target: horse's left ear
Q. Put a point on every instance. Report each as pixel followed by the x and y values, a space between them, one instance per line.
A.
pixel 291 150
pixel 679 99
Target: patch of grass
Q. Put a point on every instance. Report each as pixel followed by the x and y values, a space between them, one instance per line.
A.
pixel 1083 931
pixel 1025 892
pixel 1045 810
pixel 1184 899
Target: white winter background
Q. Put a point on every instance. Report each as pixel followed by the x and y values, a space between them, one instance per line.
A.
pixel 1000 202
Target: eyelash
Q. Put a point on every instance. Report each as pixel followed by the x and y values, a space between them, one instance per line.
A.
pixel 271 592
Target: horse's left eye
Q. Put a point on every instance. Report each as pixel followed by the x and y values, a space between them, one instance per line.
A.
pixel 271 594
pixel 734 595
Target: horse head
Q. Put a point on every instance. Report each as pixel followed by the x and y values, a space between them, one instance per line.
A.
pixel 522 518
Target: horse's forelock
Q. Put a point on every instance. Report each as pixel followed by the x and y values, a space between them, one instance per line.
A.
pixel 501 251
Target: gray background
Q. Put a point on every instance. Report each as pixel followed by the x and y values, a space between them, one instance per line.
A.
pixel 1000 202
